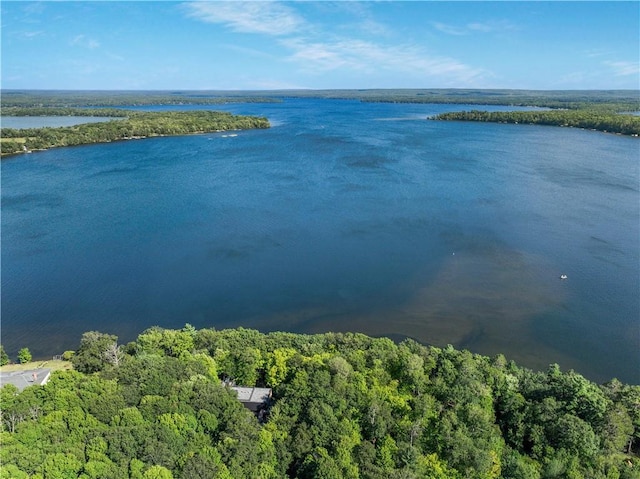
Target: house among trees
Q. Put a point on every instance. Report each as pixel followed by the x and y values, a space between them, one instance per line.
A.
pixel 253 399
pixel 22 379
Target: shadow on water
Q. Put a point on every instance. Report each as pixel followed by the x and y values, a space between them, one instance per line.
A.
pixel 485 299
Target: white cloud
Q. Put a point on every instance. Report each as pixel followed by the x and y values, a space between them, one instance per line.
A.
pixel 32 34
pixel 115 56
pixel 369 58
pixel 480 27
pixel 474 27
pixel 624 68
pixel 34 8
pixel 84 41
pixel 449 29
pixel 363 19
pixel 269 18
pixel 316 51
pixel 596 52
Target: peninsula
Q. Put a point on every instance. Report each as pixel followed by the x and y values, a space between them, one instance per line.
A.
pixel 587 118
pixel 126 125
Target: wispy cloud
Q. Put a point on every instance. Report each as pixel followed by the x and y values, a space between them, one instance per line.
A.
pixel 474 27
pixel 623 68
pixel 269 18
pixel 115 56
pixel 84 41
pixel 363 19
pixel 596 52
pixel 368 57
pixel 34 8
pixel 32 34
pixel 449 29
pixel 314 50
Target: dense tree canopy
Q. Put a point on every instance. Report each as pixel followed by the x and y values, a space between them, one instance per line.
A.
pixel 344 406
pixel 135 125
pixel 592 119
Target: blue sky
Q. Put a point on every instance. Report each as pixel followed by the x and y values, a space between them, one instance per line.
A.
pixel 345 44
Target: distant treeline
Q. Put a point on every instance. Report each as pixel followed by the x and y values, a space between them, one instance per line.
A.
pixel 612 100
pixel 63 111
pixel 70 99
pixel 588 119
pixel 345 406
pixel 609 100
pixel 134 125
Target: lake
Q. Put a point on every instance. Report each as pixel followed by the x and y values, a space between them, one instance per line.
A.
pixel 49 121
pixel 344 216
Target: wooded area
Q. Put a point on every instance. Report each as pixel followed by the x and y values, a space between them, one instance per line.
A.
pixel 132 125
pixel 344 406
pixel 592 119
pixel 115 98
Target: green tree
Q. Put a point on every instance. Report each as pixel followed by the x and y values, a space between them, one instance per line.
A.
pixel 11 471
pixel 205 463
pixel 61 466
pixel 4 357
pixel 276 365
pixel 67 355
pixel 24 355
pixel 617 430
pixel 93 353
pixel 157 472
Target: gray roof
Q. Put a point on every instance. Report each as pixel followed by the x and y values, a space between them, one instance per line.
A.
pixel 27 377
pixel 252 395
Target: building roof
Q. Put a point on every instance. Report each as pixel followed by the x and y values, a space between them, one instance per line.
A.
pixel 27 377
pixel 252 396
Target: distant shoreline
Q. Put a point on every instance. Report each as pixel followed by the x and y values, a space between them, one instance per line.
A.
pixel 606 122
pixel 600 110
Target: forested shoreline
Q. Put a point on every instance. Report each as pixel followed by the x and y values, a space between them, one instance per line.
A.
pixel 601 110
pixel 130 125
pixel 344 406
pixel 609 122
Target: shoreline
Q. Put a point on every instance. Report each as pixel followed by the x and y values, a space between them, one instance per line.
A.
pixel 137 125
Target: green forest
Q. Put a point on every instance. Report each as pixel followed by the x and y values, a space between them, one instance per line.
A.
pixel 344 405
pixel 131 125
pixel 617 100
pixel 115 98
pixel 592 119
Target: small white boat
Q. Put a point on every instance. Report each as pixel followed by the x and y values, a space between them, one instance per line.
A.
pixel 563 276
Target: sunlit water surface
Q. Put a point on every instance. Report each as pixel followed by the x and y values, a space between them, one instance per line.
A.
pixel 344 216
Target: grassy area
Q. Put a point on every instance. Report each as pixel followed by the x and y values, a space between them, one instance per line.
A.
pixel 17 140
pixel 53 364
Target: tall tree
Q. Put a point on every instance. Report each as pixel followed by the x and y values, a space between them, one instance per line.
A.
pixel 93 354
pixel 24 355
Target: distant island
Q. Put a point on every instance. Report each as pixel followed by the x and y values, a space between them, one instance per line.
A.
pixel 334 405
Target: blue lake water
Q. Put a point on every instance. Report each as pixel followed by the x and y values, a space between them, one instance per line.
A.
pixel 343 216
